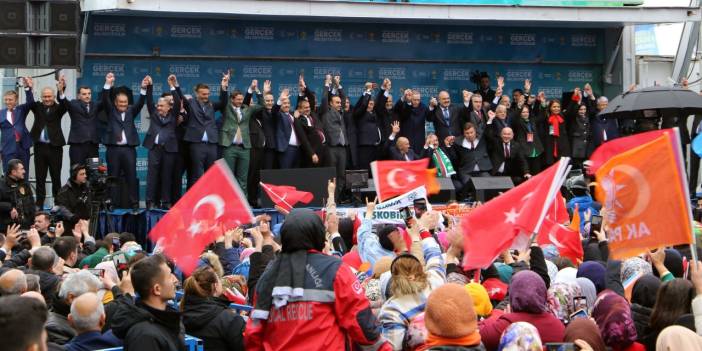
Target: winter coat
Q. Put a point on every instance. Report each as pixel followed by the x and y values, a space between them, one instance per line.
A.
pixel 211 320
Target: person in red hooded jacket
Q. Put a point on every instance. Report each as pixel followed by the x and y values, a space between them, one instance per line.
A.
pixel 306 300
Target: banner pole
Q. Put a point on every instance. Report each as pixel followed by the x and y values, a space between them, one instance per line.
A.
pixel 560 174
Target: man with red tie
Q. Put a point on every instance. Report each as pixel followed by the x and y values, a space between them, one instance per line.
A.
pixel 14 136
pixel 509 158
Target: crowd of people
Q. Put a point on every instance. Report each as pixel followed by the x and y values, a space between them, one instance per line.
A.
pixel 331 282
pixel 488 133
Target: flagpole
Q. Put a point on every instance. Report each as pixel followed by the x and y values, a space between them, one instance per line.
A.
pixel 274 193
pixel 560 174
pixel 686 190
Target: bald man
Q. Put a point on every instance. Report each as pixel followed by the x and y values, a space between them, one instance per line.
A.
pixel 508 158
pixel 87 317
pixel 445 116
pixel 48 142
pixel 13 282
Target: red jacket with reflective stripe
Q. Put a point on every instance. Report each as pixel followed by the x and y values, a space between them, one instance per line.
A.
pixel 333 312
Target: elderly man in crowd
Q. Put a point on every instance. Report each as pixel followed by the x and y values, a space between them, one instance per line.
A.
pixel 87 317
pixel 73 286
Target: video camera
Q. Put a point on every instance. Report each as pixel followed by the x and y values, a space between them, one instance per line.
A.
pixel 98 180
pixel 61 214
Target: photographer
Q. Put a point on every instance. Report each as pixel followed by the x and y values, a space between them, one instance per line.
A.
pixel 43 225
pixel 16 197
pixel 75 194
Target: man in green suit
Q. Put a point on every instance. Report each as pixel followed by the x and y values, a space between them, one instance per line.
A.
pixel 234 135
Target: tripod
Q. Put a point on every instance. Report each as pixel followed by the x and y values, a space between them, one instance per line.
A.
pixel 95 208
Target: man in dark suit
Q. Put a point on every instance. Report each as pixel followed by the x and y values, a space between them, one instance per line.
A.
pixel 445 116
pixel 287 137
pixel 14 136
pixel 48 142
pixel 601 129
pixel 412 114
pixel 235 137
pixel 469 154
pixel 398 148
pixel 335 130
pixel 315 153
pixel 384 110
pixel 83 137
pixel 162 144
pixel 485 91
pixel 258 138
pixel 508 158
pixel 201 129
pixel 368 133
pixel 478 114
pixel 121 137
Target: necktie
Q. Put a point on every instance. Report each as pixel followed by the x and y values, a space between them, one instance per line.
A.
pixel 406 157
pixel 237 137
pixel 12 117
pixel 446 115
pixel 506 151
pixel 472 145
pixel 342 139
pixel 87 108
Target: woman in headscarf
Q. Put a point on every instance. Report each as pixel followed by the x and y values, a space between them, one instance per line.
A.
pixel 589 292
pixel 568 274
pixel 527 299
pixel 634 267
pixel 561 299
pixel 676 338
pixel 520 336
pixel 372 284
pixel 481 300
pixel 673 300
pixel 643 297
pixel 308 298
pixel 594 271
pixel 586 330
pixel 613 317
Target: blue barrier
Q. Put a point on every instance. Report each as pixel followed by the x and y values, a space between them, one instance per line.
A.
pixel 191 342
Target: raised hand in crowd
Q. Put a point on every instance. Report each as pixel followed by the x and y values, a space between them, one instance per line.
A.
pixel 527 86
pixel 110 79
pixel 302 87
pixel 370 207
pixel 696 275
pixel 449 140
pixel 395 127
pixel 657 259
pixel 387 84
pixel 407 95
pixel 254 86
pixel 266 86
pixel 145 82
pixel 433 103
pixel 336 82
pixel 285 94
pixel 491 116
pixel 467 95
pixel 172 81
pixel 588 90
pixel 11 237
pixel 328 80
pixel 369 87
pixel 225 80
pixel 28 82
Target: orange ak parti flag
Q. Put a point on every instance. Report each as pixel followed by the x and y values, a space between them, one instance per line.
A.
pixel 646 199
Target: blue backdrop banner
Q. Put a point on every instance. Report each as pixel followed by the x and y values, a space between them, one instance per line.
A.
pixel 426 58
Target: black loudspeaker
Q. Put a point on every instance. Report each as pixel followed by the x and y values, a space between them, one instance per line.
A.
pixel 13 51
pixel 64 52
pixel 446 194
pixel 13 15
pixel 313 180
pixel 488 187
pixel 64 17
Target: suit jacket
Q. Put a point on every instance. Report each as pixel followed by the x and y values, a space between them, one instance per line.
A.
pixel 115 125
pixel 269 122
pixel 385 117
pixel 8 145
pixel 457 116
pixel 284 127
pixel 488 95
pixel 48 117
pixel 367 129
pixel 515 166
pixel 333 122
pixel 480 122
pixel 521 129
pixel 258 138
pixel 231 123
pixel 396 155
pixel 84 120
pixel 314 135
pixel 164 127
pixel 464 160
pixel 412 121
pixel 201 118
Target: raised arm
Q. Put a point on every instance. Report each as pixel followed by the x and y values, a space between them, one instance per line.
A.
pixel 223 94
pixel 106 89
pixel 146 89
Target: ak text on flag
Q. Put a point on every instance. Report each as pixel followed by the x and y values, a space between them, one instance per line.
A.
pixel 645 196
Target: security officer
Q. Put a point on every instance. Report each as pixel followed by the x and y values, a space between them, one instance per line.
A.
pixel 16 197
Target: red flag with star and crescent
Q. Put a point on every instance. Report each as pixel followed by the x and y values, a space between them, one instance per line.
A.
pixel 214 203
pixel 491 228
pixel 393 178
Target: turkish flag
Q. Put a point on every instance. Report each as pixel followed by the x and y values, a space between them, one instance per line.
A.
pixel 491 228
pixel 566 240
pixel 558 211
pixel 393 178
pixel 286 196
pixel 214 203
pixel 617 146
pixel 646 200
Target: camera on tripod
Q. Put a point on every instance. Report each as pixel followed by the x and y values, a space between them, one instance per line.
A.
pixel 98 180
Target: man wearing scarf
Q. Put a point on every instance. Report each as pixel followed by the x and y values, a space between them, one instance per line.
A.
pixel 307 298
